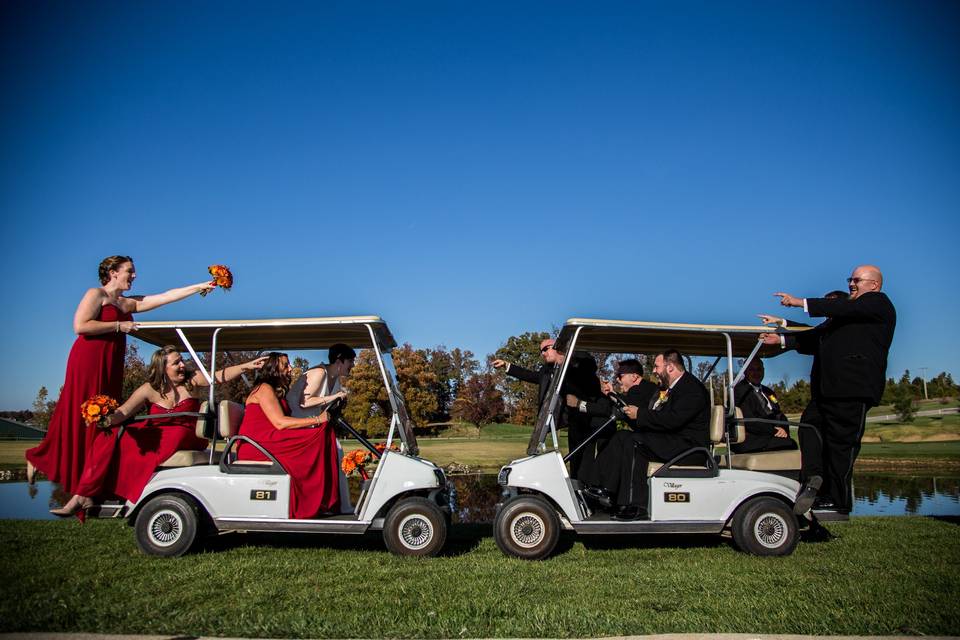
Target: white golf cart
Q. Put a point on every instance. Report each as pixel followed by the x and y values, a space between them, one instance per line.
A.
pixel 752 495
pixel 208 492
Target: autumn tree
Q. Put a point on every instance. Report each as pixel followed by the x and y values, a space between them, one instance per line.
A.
pixel 479 402
pixel 521 397
pixel 368 407
pixel 415 380
pixel 451 369
pixel 134 371
pixel 43 409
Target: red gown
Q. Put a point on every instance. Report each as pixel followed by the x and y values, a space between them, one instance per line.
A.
pixel 308 455
pixel 123 467
pixel 95 366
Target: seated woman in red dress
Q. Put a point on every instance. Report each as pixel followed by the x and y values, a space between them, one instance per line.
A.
pixel 306 447
pixel 122 467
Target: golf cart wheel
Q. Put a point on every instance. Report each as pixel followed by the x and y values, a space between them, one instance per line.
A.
pixel 415 527
pixel 527 527
pixel 167 526
pixel 765 527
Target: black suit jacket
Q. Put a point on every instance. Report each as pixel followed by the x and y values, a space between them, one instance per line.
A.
pixel 581 380
pixel 682 422
pixel 638 395
pixel 850 348
pixel 760 436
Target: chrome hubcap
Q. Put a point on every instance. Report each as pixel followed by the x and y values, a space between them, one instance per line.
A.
pixel 770 530
pixel 527 530
pixel 165 528
pixel 415 531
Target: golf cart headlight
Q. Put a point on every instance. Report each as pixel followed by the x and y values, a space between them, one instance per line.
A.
pixel 503 476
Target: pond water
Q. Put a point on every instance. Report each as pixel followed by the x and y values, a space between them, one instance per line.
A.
pixel 477 495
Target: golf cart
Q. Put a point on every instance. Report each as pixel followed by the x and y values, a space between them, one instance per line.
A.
pixel 699 491
pixel 194 492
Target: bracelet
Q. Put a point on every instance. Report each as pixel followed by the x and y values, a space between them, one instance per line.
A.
pixel 118 326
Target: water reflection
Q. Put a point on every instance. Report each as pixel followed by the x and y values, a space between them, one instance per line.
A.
pixel 477 495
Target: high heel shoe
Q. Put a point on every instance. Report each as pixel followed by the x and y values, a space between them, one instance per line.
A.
pixel 31 472
pixel 77 505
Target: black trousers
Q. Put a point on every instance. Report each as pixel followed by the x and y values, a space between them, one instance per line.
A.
pixel 831 446
pixel 622 467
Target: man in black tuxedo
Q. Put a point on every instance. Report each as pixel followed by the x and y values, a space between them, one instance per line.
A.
pixel 581 380
pixel 634 390
pixel 757 400
pixel 850 363
pixel 677 420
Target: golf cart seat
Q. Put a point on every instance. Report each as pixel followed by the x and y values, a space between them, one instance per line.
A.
pixel 788 460
pixel 717 426
pixel 229 417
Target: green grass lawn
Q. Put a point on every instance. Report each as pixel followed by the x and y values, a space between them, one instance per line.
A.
pixel 880 576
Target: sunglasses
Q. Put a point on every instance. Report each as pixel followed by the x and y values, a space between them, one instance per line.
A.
pixel 859 280
pixel 545 349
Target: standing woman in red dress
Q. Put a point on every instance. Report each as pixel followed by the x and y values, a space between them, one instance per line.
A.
pixel 123 466
pixel 102 321
pixel 306 447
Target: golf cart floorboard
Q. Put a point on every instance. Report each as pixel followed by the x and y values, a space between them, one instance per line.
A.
pixel 343 523
pixel 602 523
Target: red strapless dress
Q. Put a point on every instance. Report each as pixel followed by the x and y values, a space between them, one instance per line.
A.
pixel 308 455
pixel 95 366
pixel 123 467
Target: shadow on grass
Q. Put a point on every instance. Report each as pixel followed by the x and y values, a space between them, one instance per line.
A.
pixel 653 541
pixel 461 539
pixel 954 520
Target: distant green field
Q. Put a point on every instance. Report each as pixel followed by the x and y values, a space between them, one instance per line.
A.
pixel 495 445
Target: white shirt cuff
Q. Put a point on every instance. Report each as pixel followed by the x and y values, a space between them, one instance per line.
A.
pixel 805 310
pixel 783 342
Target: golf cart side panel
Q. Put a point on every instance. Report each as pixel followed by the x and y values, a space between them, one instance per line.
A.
pixel 700 499
pixel 226 495
pixel 397 474
pixel 546 474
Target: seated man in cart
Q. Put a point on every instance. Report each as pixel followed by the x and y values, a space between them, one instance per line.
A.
pixel 757 400
pixel 678 419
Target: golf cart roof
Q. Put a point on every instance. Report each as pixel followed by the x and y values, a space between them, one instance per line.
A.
pixel 628 336
pixel 267 334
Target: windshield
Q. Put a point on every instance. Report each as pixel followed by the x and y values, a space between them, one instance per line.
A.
pixel 399 406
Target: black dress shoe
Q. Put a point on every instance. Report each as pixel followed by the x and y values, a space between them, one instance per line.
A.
pixel 807 495
pixel 599 495
pixel 629 513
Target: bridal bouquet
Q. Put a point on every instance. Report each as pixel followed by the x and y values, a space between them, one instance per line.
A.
pixel 221 277
pixel 355 460
pixel 96 411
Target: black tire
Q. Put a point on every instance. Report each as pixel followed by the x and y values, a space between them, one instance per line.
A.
pixel 167 526
pixel 415 527
pixel 527 527
pixel 765 527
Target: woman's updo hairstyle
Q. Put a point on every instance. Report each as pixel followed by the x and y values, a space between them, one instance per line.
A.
pixel 111 263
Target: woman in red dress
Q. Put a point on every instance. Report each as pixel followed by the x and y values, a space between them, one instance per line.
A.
pixel 123 466
pixel 306 447
pixel 102 321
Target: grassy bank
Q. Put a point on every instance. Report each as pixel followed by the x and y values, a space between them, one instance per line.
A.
pixel 880 576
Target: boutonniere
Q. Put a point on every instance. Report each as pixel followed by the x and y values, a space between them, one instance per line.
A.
pixel 772 398
pixel 663 395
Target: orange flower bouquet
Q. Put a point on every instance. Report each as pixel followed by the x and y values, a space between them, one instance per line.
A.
pixel 222 277
pixel 96 411
pixel 355 460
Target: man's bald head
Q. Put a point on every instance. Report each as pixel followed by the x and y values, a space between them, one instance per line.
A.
pixel 865 278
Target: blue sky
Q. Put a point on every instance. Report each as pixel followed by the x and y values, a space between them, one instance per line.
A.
pixel 470 171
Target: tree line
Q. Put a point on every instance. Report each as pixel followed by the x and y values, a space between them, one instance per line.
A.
pixel 444 385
